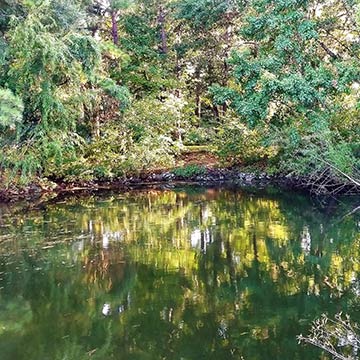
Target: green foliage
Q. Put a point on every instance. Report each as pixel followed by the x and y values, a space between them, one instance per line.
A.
pixel 56 70
pixel 202 13
pixel 48 66
pixel 11 109
pixel 198 135
pixel 120 93
pixel 286 74
pixel 307 150
pixel 42 154
pixel 237 144
pixel 145 73
pixel 3 55
pixel 189 171
pixel 295 84
pixel 152 152
pixel 266 81
pixel 8 8
pixel 117 153
pixel 166 117
pixel 121 4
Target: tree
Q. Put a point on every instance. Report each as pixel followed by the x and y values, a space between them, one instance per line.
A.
pixel 54 66
pixel 207 32
pixel 284 71
pixel 290 79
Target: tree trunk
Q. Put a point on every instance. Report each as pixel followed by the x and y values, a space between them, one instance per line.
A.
pixel 227 41
pixel 198 94
pixel 216 112
pixel 114 27
pixel 163 35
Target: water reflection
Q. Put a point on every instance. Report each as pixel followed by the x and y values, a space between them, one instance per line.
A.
pixel 192 273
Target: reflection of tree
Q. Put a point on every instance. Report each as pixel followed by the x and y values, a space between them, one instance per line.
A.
pixel 211 273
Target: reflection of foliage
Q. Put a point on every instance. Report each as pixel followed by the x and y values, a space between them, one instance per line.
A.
pixel 195 272
pixel 10 321
pixel 72 350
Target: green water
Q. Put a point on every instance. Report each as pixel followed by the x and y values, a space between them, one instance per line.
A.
pixel 188 273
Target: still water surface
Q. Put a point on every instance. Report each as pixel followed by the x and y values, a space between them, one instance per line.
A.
pixel 188 273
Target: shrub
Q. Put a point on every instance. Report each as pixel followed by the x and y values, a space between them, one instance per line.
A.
pixel 199 135
pixel 189 171
pixel 237 144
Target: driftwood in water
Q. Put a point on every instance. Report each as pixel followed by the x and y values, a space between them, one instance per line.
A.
pixel 339 337
pixel 330 180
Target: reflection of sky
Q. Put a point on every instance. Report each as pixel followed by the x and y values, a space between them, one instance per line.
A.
pixel 355 284
pixel 306 240
pixel 106 236
pixel 106 310
pixel 197 235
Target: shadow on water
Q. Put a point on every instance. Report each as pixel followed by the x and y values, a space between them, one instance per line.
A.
pixel 185 273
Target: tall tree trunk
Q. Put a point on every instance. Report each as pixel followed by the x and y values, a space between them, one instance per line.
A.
pixel 215 111
pixel 198 94
pixel 163 35
pixel 114 27
pixel 227 41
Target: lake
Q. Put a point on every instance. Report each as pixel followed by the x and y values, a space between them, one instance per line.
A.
pixel 184 273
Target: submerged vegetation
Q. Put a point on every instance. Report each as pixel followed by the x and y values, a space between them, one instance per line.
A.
pixel 100 90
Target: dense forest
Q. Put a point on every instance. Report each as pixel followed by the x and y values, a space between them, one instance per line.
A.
pixel 101 90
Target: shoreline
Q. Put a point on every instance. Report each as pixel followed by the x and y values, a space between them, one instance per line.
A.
pixel 46 188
